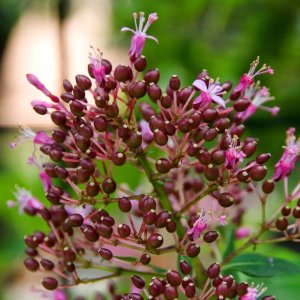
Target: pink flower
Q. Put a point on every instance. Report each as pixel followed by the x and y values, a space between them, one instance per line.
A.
pixel 28 134
pixel 59 295
pixel 147 134
pixel 253 293
pixel 209 93
pixel 35 82
pixel 289 157
pixel 258 95
pixel 24 199
pixel 233 154
pixel 97 67
pixel 248 78
pixel 222 220
pixel 139 34
pixel 242 232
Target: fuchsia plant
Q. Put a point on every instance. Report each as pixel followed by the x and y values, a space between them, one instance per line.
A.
pixel 188 144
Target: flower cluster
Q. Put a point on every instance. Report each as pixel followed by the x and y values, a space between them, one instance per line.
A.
pixel 187 141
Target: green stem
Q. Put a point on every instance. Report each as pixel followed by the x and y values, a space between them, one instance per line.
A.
pixel 180 230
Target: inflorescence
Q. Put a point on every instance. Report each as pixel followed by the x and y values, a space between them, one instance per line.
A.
pixel 187 142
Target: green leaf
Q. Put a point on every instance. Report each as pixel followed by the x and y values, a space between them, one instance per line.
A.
pixel 228 231
pixel 127 258
pixel 158 269
pixel 258 265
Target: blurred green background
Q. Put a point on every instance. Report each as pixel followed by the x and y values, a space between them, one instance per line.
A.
pixel 221 36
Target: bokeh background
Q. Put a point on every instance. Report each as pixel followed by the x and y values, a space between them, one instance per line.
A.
pixel 51 39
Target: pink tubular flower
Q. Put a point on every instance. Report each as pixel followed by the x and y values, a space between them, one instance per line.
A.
pixel 289 157
pixel 248 78
pixel 209 93
pixel 36 83
pixel 97 67
pixel 242 232
pixel 139 34
pixel 233 154
pixel 28 134
pixel 24 199
pixel 253 293
pixel 258 95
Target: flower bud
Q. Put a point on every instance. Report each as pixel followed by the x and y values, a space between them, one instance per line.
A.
pixel 105 253
pixel 174 83
pixel 160 137
pixel 190 290
pixel 225 199
pixel 154 91
pixel 31 264
pixel 111 110
pixel 209 114
pixel 213 271
pixel 58 118
pixel 100 124
pixel 140 63
pixel 50 283
pixel 262 158
pixel 47 264
pixel 124 230
pixel 211 173
pixel 258 172
pixel 74 220
pixel 185 268
pixel 210 236
pixel 282 223
pixel 241 105
pixel 170 292
pixel 192 250
pixel 92 189
pixel 174 278
pixel 268 186
pixel 124 204
pixel 155 240
pixel 152 76
pixel 163 165
pixel 109 185
pixel 118 158
pixel 249 148
pixel 145 259
pixel 166 101
pixel 67 85
pixel 138 281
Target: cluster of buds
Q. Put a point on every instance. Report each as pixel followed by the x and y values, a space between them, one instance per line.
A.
pixel 187 142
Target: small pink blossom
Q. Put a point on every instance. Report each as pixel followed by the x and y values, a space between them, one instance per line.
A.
pixel 147 134
pixel 36 83
pixel 59 295
pixel 24 199
pixel 200 225
pixel 139 34
pixel 233 154
pixel 289 157
pixel 28 134
pixel 211 92
pixel 242 232
pixel 253 293
pixel 248 78
pixel 222 220
pixel 98 68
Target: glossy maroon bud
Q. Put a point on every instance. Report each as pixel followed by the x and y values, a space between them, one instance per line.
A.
pixel 185 267
pixel 104 230
pixel 67 97
pixel 92 189
pixel 138 281
pixel 138 89
pixel 243 176
pixel 166 101
pixel 147 111
pixel 174 278
pixel 101 102
pixel 124 131
pixel 262 158
pixel 296 212
pixel 147 203
pixel 82 142
pixel 193 149
pixel 78 93
pixel 160 137
pixel 49 283
pixel 155 240
pixel 222 124
pixel 163 165
pixel 59 118
pixel 190 290
pixel 152 76
pixel 145 259
pixel 225 199
pixel 171 226
pixel 109 185
pixel 184 125
pixel 107 220
pixel 226 86
pixel 135 140
pixel 111 110
pixel 210 134
pixel 238 130
pixel 90 233
pixel 31 252
pixel 31 264
pixel 204 156
pixel 111 83
pixel 170 292
pixel 249 148
pixel 268 186
pixel 124 204
pixel 286 210
pixel 40 109
pixel 174 83
pixel 100 124
pixel 154 289
pixel 105 253
pixel 217 281
pixel 162 219
pixel 47 264
pixel 210 236
pixel 83 82
pixel 67 85
pixel 140 63
pixel 242 288
pixel 69 254
pixel 213 271
pixel 124 230
pixel 211 173
pixel 118 158
pixel 121 73
pixel 234 95
pixel 184 94
pixel 241 104
pixel 154 91
pixel 222 290
pixel 218 157
pixel 228 279
pixel 82 175
pixel 53 197
pixel 209 114
pixel 282 223
pixel 88 165
pixel 107 65
pixel 56 155
pixel 258 172
pixel 186 281
pixel 192 250
pixel 232 290
pixel 77 108
pixel 156 122
pixel 74 220
pixel 169 128
pixel 149 217
pixel 58 136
